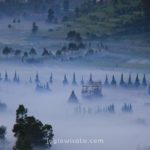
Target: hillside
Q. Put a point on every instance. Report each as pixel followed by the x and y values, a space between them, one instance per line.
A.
pixel 110 19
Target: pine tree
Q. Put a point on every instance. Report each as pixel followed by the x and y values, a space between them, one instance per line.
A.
pixel 106 80
pixel 113 82
pixel 144 82
pixel 65 81
pixel 122 80
pixel 74 79
pixel 137 81
pixel 130 80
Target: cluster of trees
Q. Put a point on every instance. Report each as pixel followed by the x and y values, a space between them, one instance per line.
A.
pixel 126 108
pixel 8 51
pixel 30 132
pixel 75 41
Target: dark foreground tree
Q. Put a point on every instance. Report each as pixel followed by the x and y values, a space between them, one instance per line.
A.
pixel 2 132
pixel 2 137
pixel 30 132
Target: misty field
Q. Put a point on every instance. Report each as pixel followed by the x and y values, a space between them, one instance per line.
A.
pixel 119 130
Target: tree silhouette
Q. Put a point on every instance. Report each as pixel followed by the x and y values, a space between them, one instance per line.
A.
pixel 34 27
pixel 45 52
pixel 144 82
pixel 33 52
pixel 65 81
pixel 113 82
pixel 2 132
pixel 6 51
pixel 6 76
pixel 37 78
pixel 122 80
pixel 130 80
pixel 91 79
pixel 18 52
pixel 74 79
pixel 106 80
pixel 50 17
pixel 137 81
pixel 30 132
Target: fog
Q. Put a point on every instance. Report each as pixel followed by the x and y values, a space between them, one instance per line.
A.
pixel 119 130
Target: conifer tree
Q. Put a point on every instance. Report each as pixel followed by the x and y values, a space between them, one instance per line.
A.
pixel 144 82
pixel 106 80
pixel 82 81
pixel 65 81
pixel 74 79
pixel 122 80
pixel 113 82
pixel 137 81
pixel 130 80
